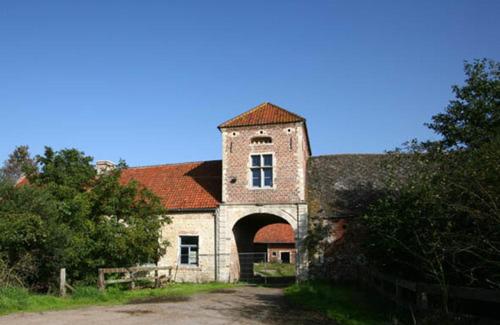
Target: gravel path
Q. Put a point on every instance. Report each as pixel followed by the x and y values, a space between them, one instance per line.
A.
pixel 242 305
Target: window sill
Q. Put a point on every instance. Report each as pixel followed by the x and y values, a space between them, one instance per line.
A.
pixel 262 188
pixel 189 267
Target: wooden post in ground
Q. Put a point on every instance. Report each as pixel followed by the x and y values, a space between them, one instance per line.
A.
pixel 100 282
pixel 62 282
pixel 157 279
pixel 130 275
pixel 422 301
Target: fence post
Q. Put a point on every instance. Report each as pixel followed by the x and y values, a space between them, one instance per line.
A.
pixel 62 282
pixel 130 275
pixel 157 279
pixel 398 292
pixel 422 301
pixel 100 282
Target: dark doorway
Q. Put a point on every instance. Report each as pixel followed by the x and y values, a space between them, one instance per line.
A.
pixel 285 257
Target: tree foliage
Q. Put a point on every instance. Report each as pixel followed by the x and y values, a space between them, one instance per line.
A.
pixel 68 216
pixel 442 223
pixel 473 117
pixel 17 163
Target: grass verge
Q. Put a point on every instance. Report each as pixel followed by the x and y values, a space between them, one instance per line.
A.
pixel 274 269
pixel 21 300
pixel 346 304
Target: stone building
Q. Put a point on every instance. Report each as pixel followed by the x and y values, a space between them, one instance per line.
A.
pixel 218 207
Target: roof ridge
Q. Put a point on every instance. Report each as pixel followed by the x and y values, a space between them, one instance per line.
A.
pixel 245 113
pixel 289 112
pixel 256 108
pixel 174 164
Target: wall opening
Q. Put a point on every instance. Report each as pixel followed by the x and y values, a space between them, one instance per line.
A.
pixel 264 249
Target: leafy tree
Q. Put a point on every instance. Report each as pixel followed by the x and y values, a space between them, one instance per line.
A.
pixel 17 163
pixel 441 223
pixel 68 216
pixel 473 118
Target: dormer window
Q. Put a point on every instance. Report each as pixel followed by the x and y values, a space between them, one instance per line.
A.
pixel 261 140
pixel 262 171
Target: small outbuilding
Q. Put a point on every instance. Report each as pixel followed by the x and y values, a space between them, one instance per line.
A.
pixel 278 241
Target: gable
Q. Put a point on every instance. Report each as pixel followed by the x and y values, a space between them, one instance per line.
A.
pixel 264 114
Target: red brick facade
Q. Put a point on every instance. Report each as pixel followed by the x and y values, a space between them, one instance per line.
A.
pixel 290 151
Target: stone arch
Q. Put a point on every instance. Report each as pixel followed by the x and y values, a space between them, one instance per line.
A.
pixel 244 251
pixel 287 214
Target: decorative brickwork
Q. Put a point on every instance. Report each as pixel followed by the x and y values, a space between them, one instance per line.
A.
pixel 289 150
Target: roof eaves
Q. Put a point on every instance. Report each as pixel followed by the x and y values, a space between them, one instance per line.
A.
pixel 186 210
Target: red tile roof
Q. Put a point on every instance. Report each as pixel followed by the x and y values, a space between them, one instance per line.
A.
pixel 23 180
pixel 186 186
pixel 275 233
pixel 265 113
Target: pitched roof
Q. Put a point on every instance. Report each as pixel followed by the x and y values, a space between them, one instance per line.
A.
pixel 186 186
pixel 275 233
pixel 23 180
pixel 265 113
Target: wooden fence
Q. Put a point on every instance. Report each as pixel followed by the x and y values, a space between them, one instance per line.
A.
pixel 393 288
pixel 131 275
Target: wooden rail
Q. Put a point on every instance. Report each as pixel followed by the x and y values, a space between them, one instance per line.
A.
pixel 421 291
pixel 131 275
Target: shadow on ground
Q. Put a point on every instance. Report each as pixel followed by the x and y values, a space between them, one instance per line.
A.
pixel 272 309
pixel 156 300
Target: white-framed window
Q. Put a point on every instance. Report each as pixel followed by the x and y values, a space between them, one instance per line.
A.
pixel 262 170
pixel 188 254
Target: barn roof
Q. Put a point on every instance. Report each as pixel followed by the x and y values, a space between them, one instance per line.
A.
pixel 185 186
pixel 275 233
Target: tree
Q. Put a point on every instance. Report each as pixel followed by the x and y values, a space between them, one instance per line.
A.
pixel 68 216
pixel 441 223
pixel 473 118
pixel 17 163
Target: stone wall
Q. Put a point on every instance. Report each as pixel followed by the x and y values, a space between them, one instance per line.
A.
pixel 199 224
pixel 339 189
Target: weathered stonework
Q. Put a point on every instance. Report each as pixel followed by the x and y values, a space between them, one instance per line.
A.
pixel 228 215
pixel 340 188
pixel 279 133
pixel 196 224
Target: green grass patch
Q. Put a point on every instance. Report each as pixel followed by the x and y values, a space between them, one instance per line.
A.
pixel 346 304
pixel 274 269
pixel 21 300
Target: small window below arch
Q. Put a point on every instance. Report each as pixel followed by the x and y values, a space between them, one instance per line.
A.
pixel 261 140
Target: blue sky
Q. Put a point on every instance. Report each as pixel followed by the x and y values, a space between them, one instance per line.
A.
pixel 149 81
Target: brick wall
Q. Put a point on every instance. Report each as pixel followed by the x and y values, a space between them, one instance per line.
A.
pixel 277 249
pixel 289 149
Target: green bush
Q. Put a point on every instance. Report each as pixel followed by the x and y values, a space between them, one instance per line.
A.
pixel 70 217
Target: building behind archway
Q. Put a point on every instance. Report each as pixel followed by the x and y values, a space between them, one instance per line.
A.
pixel 260 180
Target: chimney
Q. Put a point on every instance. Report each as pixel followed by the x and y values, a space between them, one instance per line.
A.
pixel 103 166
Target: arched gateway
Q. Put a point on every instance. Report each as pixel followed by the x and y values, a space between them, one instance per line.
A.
pixel 217 206
pixel 238 226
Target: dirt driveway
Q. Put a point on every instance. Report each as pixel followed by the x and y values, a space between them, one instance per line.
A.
pixel 243 305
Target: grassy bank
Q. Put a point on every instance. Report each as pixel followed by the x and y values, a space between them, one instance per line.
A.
pixel 18 299
pixel 346 304
pixel 274 269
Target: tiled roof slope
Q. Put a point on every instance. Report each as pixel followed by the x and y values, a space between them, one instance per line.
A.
pixel 186 186
pixel 275 233
pixel 265 113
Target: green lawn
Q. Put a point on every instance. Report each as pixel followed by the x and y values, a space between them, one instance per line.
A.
pixel 274 269
pixel 346 304
pixel 17 299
